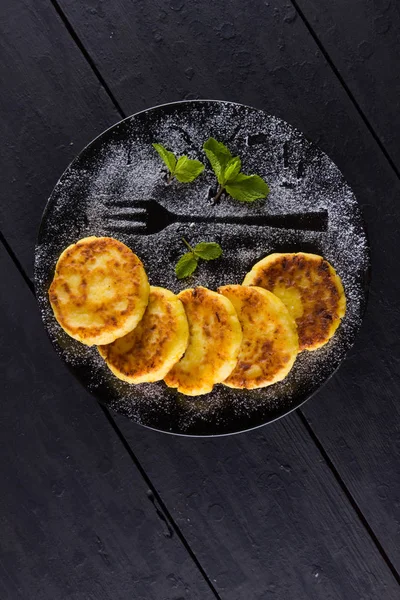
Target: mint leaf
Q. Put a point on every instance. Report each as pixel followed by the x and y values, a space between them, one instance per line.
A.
pixel 186 265
pixel 187 170
pixel 232 169
pixel 168 157
pixel 226 167
pixel 208 250
pixel 218 155
pixel 247 188
pixel 184 169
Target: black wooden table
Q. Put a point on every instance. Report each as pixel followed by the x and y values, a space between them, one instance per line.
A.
pixel 94 507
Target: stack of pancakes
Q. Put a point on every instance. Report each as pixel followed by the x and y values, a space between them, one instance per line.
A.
pixel 245 336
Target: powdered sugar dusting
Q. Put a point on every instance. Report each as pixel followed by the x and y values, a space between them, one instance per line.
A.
pixel 97 195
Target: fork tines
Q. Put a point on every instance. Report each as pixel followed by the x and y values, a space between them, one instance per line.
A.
pixel 127 218
pixel 127 226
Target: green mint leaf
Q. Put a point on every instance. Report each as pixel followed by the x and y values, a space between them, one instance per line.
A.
pixel 226 167
pixel 187 170
pixel 247 188
pixel 219 156
pixel 168 157
pixel 208 250
pixel 232 169
pixel 186 265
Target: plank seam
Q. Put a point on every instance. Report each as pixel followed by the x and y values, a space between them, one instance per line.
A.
pixel 87 56
pixel 349 93
pixel 17 263
pixel 348 495
pixel 156 499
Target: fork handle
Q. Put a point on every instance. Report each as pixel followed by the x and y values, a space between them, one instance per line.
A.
pixel 309 221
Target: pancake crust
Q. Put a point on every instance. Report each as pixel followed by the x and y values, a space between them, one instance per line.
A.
pixel 270 342
pixel 100 290
pixel 147 353
pixel 214 341
pixel 311 290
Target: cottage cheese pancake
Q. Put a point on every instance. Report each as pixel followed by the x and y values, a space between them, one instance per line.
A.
pixel 311 290
pixel 147 353
pixel 214 341
pixel 100 290
pixel 270 343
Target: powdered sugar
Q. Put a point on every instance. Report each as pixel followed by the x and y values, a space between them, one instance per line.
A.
pixel 121 168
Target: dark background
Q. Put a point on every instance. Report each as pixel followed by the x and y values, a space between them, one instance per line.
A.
pixel 94 507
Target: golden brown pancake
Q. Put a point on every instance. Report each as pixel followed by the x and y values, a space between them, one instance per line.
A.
pixel 214 341
pixel 270 343
pixel 100 290
pixel 311 290
pixel 147 353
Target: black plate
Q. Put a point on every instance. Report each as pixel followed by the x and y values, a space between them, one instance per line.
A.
pixel 96 196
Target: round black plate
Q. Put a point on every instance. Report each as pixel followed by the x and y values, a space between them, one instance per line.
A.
pixel 97 194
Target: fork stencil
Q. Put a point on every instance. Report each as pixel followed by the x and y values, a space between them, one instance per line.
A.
pixel 149 217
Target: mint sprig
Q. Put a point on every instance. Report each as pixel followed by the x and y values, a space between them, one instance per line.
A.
pixel 188 263
pixel 227 168
pixel 184 169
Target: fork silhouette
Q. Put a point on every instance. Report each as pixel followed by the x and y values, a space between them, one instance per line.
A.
pixel 149 217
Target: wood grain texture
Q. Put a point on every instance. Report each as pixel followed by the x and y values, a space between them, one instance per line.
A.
pixel 52 106
pixel 363 43
pixel 264 515
pixel 185 50
pixel 77 520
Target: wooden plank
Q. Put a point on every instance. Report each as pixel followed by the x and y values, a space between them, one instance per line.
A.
pixel 364 45
pixel 54 106
pixel 77 519
pixel 278 67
